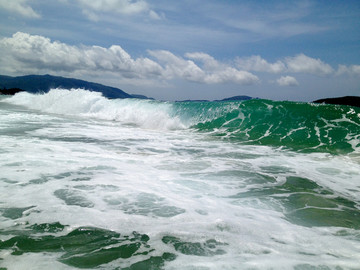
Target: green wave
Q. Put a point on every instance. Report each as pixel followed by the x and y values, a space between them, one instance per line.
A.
pixel 299 126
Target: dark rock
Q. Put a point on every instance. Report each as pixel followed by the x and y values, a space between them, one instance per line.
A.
pixel 347 100
pixel 11 91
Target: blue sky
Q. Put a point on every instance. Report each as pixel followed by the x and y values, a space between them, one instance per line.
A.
pixel 199 49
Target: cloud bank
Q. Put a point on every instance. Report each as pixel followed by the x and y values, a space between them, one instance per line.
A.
pixel 36 54
pixel 25 53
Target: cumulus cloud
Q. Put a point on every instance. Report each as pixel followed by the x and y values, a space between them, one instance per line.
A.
pixel 287 81
pixel 256 63
pixel 20 7
pixel 208 61
pixel 178 67
pixel 306 64
pixel 231 74
pixel 300 63
pixel 35 54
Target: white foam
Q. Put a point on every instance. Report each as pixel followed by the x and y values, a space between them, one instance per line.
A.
pixel 79 102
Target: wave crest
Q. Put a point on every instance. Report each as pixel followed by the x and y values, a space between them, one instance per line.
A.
pixel 298 126
pixel 143 113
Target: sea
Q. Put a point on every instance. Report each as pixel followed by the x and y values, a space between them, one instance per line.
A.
pixel 88 182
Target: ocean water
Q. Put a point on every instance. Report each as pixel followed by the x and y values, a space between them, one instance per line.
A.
pixel 92 183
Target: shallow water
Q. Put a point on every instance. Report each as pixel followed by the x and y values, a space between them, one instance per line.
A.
pixel 128 184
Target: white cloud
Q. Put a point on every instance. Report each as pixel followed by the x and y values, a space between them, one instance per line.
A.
pixel 124 7
pixel 287 81
pixel 231 75
pixel 208 61
pixel 305 64
pixel 256 63
pixel 297 64
pixel 352 70
pixel 20 7
pixel 178 67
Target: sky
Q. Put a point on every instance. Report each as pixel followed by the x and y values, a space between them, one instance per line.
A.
pixel 189 49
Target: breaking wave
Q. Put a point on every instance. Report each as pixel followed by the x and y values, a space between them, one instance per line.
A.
pixel 298 126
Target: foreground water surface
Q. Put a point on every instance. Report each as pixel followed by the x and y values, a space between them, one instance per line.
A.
pixel 89 183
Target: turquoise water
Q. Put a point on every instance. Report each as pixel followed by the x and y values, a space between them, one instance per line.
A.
pixel 91 183
pixel 298 126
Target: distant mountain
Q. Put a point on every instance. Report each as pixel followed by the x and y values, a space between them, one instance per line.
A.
pixel 237 98
pixel 193 100
pixel 348 100
pixel 43 83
